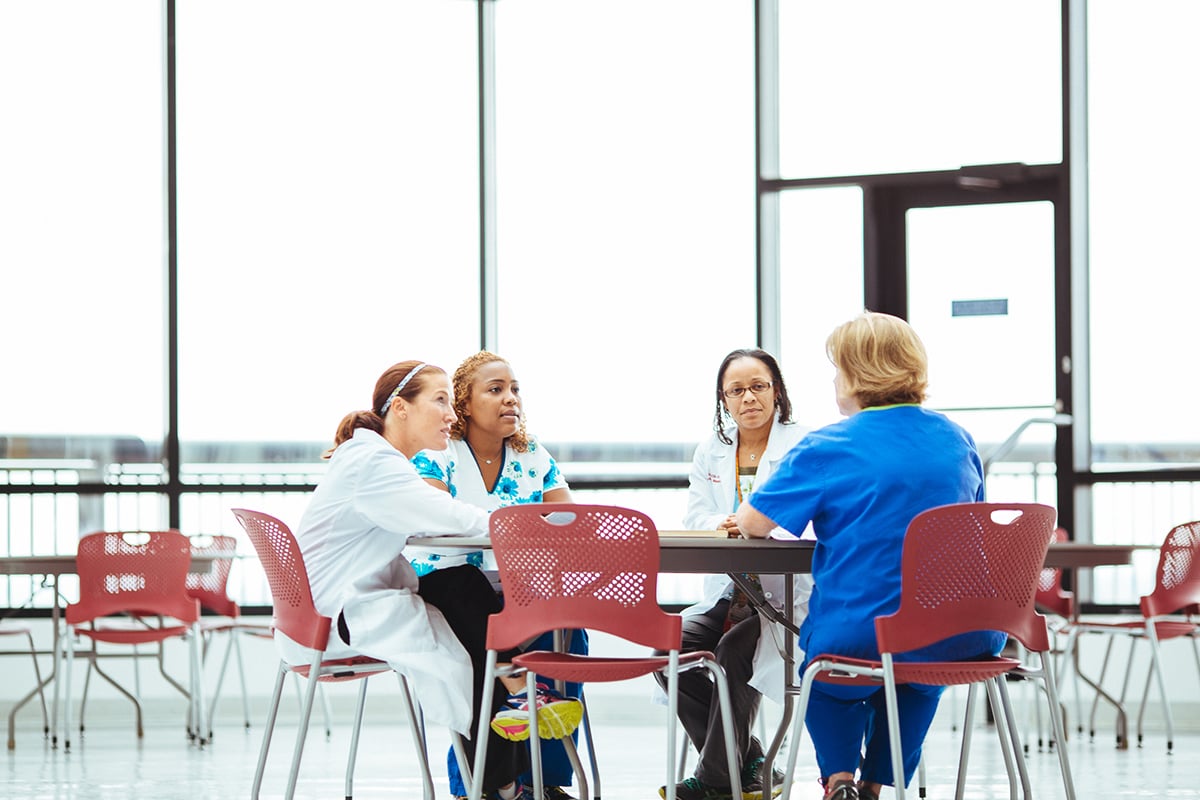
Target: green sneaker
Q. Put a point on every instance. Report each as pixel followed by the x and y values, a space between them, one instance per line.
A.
pixel 752 783
pixel 693 789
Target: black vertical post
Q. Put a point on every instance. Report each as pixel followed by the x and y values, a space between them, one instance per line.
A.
pixel 171 450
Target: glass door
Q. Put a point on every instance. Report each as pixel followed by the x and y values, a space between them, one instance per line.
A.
pixel 980 286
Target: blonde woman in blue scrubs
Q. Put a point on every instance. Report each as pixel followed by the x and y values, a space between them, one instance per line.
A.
pixel 860 482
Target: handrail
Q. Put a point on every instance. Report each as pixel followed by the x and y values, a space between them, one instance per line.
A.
pixel 1005 447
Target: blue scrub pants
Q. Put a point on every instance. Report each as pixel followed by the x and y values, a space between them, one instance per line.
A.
pixel 841 718
pixel 556 767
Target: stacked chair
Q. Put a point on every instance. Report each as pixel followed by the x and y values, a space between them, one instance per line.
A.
pixel 211 589
pixel 1170 611
pixel 132 590
pixel 14 631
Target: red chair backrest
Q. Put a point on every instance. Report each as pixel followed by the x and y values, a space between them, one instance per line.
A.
pixel 139 572
pixel 1050 595
pixel 211 588
pixel 588 566
pixel 1177 581
pixel 970 567
pixel 279 554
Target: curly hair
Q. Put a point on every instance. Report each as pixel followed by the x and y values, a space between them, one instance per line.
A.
pixel 464 378
pixel 783 405
pixel 881 359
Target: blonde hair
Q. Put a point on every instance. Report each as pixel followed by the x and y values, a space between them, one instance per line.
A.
pixel 881 359
pixel 464 378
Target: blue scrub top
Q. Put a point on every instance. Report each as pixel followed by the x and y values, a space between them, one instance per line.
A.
pixel 860 482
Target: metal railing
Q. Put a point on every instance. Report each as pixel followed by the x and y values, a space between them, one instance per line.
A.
pixel 54 489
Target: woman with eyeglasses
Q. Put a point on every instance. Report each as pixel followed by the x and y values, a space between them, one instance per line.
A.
pixel 493 462
pixel 752 432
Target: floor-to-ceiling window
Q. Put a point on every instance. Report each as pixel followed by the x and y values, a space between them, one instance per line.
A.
pixel 307 177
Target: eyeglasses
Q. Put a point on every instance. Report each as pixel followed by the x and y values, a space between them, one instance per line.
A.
pixel 754 389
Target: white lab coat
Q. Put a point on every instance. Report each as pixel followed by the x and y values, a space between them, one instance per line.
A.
pixel 712 496
pixel 352 535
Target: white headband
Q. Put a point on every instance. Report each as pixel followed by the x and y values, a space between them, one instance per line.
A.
pixel 399 388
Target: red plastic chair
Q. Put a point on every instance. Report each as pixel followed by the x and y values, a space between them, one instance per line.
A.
pixel 593 567
pixel 1169 612
pixel 37 690
pixel 965 567
pixel 1051 597
pixel 299 620
pixel 1059 604
pixel 131 592
pixel 211 589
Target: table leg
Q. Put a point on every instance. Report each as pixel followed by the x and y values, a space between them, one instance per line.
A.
pixel 55 616
pixel 1122 725
pixel 787 621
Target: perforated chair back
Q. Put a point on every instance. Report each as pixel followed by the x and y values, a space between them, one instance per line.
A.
pixel 211 587
pixel 1051 597
pixel 141 572
pixel 1177 580
pixel 279 554
pixel 593 567
pixel 970 567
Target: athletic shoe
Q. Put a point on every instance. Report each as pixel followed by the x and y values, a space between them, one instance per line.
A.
pixel 752 784
pixel 558 716
pixel 693 789
pixel 845 790
pixel 555 793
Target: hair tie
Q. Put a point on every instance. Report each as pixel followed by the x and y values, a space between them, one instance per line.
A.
pixel 399 387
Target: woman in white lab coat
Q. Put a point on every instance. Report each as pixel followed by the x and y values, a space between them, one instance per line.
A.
pixel 353 533
pixel 753 431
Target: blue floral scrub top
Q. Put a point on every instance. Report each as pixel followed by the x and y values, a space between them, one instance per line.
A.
pixel 524 478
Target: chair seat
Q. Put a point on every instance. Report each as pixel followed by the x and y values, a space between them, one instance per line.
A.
pixel 584 669
pixel 932 673
pixel 1164 628
pixel 222 624
pixel 344 669
pixel 6 631
pixel 123 635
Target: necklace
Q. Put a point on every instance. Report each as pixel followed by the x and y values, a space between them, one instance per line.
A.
pixel 753 457
pixel 487 461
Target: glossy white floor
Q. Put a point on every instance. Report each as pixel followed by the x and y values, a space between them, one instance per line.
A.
pixel 110 762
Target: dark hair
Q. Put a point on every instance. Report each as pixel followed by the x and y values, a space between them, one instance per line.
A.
pixel 372 419
pixel 783 406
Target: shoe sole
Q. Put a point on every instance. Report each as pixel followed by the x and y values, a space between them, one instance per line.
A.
pixel 555 721
pixel 757 794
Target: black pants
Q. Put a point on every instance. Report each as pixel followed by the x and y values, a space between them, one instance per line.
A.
pixel 466 598
pixel 699 707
